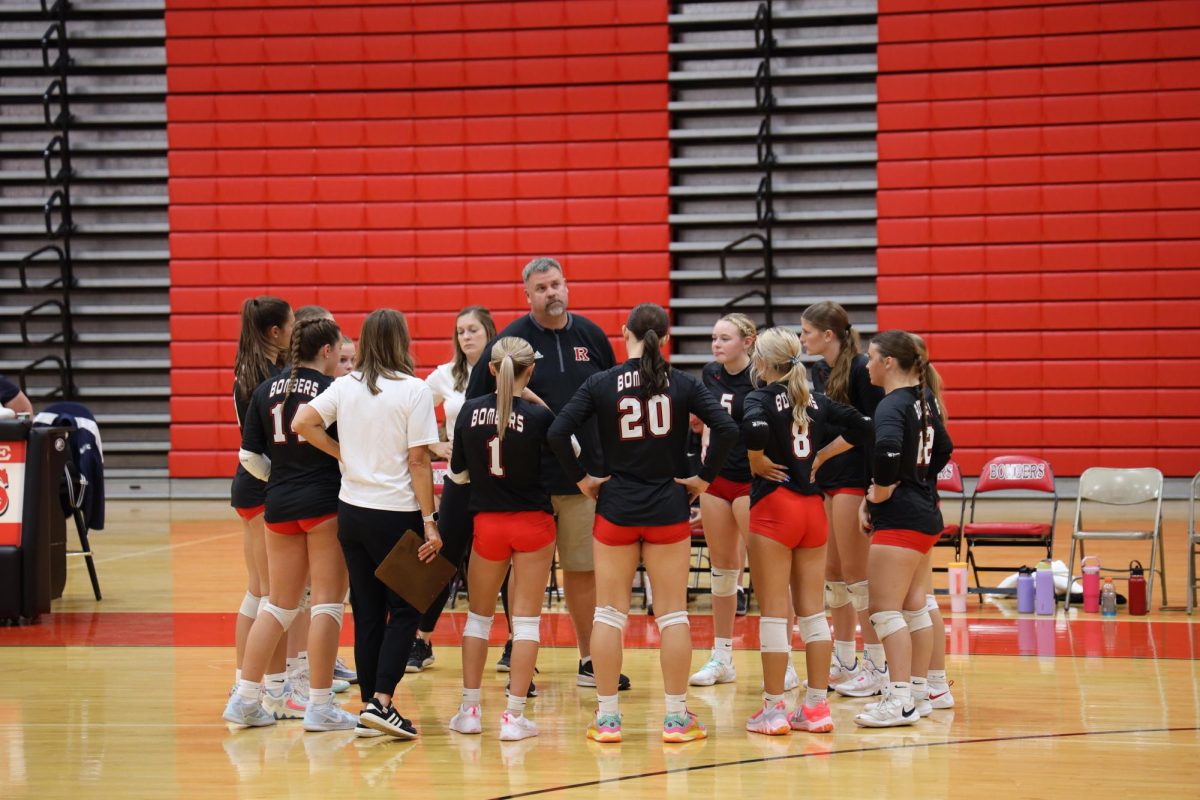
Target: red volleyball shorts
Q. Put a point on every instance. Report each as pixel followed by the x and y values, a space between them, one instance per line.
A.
pixel 620 535
pixel 499 534
pixel 250 513
pixel 793 520
pixel 295 527
pixel 852 490
pixel 909 540
pixel 727 490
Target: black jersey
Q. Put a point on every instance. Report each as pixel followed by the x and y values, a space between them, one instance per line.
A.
pixel 565 359
pixel 849 470
pixel 505 473
pixel 247 491
pixel 901 460
pixel 644 442
pixel 304 481
pixel 730 391
pixel 769 426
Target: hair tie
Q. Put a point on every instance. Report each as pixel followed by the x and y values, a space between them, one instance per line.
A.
pixel 796 359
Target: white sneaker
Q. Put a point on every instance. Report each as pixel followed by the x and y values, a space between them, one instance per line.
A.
pixel 514 728
pixel 279 706
pixel 339 685
pixel 940 697
pixel 838 673
pixel 248 713
pixel 869 681
pixel 770 720
pixel 328 717
pixel 467 720
pixel 790 680
pixel 924 707
pixel 889 712
pixel 714 671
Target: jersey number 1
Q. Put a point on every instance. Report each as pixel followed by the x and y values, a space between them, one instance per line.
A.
pixel 656 413
pixel 495 464
pixel 281 431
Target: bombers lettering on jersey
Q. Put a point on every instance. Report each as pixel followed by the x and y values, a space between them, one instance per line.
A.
pixel 487 416
pixel 768 426
pixel 730 391
pixel 645 442
pixel 903 459
pixel 304 482
pixel 505 473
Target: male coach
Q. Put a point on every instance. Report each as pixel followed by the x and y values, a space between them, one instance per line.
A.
pixel 569 349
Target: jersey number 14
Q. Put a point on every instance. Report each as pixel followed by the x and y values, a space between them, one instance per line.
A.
pixel 281 430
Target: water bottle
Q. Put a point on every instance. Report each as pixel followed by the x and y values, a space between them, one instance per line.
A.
pixel 1044 589
pixel 1091 584
pixel 1025 590
pixel 957 572
pixel 1108 599
pixel 1137 590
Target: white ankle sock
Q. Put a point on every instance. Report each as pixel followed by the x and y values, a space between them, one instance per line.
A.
pixel 318 697
pixel 814 697
pixel 516 705
pixel 274 682
pixel 876 654
pixel 676 703
pixel 771 699
pixel 248 690
pixel 844 652
pixel 607 703
pixel 723 650
pixel 901 691
pixel 583 662
pixel 238 674
pixel 470 697
pixel 920 688
pixel 937 677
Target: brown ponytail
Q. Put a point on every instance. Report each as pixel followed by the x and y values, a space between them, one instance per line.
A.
pixel 830 316
pixel 649 324
pixel 253 362
pixel 512 357
pixel 930 377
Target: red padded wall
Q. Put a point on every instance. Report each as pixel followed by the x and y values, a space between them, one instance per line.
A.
pixel 1039 220
pixel 405 154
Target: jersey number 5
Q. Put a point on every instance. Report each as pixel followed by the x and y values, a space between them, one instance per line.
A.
pixel 636 415
pixel 281 430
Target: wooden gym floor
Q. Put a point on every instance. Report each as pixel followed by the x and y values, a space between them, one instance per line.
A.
pixel 122 699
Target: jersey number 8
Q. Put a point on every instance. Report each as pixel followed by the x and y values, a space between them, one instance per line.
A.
pixel 801 446
pixel 636 415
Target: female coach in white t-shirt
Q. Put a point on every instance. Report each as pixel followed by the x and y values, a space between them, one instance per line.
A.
pixel 385 423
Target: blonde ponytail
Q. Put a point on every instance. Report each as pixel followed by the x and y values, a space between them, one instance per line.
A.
pixel 512 357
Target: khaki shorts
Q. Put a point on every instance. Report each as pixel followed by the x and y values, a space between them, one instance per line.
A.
pixel 575 515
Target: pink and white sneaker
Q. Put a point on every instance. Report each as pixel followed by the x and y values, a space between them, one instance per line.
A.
pixel 816 719
pixel 770 720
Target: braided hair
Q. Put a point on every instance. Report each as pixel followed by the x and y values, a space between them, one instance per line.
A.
pixel 308 337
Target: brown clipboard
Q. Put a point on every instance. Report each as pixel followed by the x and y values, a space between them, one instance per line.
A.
pixel 416 582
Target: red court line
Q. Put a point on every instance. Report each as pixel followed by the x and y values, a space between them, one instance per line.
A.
pixel 1047 637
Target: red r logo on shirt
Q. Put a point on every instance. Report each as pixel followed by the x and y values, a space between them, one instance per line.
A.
pixel 581 354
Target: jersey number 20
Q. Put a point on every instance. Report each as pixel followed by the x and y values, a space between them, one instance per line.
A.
pixel 636 415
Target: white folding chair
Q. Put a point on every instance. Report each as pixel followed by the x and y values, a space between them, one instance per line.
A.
pixel 1103 486
pixel 1193 542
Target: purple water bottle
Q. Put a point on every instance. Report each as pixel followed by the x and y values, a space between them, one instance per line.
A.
pixel 1044 589
pixel 1025 590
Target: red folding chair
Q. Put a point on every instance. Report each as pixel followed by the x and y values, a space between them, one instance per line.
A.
pixel 1009 477
pixel 949 481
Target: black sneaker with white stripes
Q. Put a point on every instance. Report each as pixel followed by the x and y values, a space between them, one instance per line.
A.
pixel 386 720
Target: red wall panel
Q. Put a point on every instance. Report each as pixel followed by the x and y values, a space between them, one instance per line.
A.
pixel 359 154
pixel 1039 222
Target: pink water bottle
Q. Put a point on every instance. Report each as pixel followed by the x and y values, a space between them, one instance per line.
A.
pixel 1091 584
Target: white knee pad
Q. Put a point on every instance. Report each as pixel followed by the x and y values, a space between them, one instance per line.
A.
pixel 665 621
pixel 724 582
pixel 773 635
pixel 886 623
pixel 607 615
pixel 526 629
pixel 859 595
pixel 836 594
pixel 478 626
pixel 250 605
pixel 335 610
pixel 306 600
pixel 815 628
pixel 931 603
pixel 917 620
pixel 284 615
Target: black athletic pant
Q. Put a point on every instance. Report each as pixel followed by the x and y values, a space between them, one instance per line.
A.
pixel 456 525
pixel 384 624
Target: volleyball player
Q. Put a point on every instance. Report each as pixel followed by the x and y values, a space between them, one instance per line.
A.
pixel 346 357
pixel 642 508
pixel 385 423
pixel 841 375
pixel 788 528
pixel 902 510
pixel 473 328
pixel 725 505
pixel 262 345
pixel 301 520
pixel 499 441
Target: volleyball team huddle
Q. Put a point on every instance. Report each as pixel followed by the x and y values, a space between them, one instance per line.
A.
pixel 552 443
